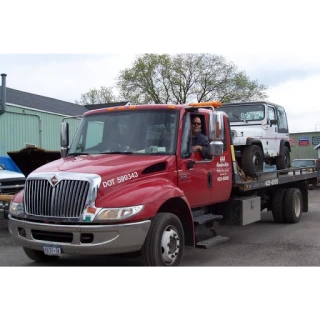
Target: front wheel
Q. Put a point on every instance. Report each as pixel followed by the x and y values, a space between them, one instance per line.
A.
pixel 164 244
pixel 252 160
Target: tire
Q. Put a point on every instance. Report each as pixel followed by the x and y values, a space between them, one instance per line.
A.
pixel 292 205
pixel 277 205
pixel 166 230
pixel 284 161
pixel 252 160
pixel 39 256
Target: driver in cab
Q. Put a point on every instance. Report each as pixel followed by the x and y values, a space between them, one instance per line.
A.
pixel 200 142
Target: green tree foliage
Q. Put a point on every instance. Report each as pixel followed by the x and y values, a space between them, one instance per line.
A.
pixel 183 78
pixel 97 96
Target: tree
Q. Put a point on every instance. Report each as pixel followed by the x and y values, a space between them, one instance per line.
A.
pixel 183 78
pixel 97 96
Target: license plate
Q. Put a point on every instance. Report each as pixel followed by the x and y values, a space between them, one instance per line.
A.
pixel 52 250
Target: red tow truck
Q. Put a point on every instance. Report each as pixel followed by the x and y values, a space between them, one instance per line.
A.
pixel 130 183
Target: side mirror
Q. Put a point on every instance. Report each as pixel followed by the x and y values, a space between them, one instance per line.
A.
pixel 273 122
pixel 216 148
pixel 216 126
pixel 3 166
pixel 64 139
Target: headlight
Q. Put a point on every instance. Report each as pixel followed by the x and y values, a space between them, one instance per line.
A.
pixel 16 209
pixel 117 213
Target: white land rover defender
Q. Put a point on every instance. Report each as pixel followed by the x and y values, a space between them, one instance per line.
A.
pixel 260 134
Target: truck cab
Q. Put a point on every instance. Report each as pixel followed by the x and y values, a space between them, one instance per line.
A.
pixel 260 134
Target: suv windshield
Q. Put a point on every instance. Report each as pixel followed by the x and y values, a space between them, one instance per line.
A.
pixel 238 113
pixel 127 132
pixel 303 163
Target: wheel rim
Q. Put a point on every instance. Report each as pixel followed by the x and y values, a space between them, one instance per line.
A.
pixel 170 245
pixel 256 162
pixel 297 206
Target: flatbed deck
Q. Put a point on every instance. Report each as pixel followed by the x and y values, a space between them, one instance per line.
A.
pixel 269 179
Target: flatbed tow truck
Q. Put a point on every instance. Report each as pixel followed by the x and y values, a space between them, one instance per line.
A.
pixel 129 183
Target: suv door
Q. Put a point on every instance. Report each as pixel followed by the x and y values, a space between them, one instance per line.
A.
pixel 272 142
pixel 283 130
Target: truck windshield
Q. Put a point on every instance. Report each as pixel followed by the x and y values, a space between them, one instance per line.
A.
pixel 245 113
pixel 127 132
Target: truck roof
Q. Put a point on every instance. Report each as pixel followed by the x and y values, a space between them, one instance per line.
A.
pixel 209 104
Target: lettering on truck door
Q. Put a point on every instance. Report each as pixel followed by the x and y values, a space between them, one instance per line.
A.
pixel 222 170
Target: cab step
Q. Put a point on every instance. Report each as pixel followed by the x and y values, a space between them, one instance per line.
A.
pixel 208 243
pixel 202 219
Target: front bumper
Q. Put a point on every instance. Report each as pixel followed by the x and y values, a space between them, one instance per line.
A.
pixel 106 239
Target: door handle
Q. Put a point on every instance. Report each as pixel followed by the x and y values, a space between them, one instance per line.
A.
pixel 190 164
pixel 209 179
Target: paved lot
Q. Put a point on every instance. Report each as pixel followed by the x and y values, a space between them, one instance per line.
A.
pixel 264 243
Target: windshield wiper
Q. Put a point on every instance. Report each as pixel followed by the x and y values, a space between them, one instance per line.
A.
pixel 77 154
pixel 234 115
pixel 117 152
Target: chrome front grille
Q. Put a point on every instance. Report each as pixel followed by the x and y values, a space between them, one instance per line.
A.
pixel 67 199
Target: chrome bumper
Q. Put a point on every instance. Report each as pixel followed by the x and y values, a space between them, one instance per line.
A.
pixel 106 239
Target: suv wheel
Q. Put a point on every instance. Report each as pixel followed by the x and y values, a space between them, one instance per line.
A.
pixel 252 160
pixel 283 162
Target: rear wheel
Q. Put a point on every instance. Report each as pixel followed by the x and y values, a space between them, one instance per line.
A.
pixel 164 244
pixel 277 205
pixel 252 160
pixel 283 161
pixel 292 205
pixel 39 256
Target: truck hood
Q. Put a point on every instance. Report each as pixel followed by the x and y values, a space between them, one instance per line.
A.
pixel 109 167
pixel 7 174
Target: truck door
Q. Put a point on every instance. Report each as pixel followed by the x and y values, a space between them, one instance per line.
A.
pixel 194 173
pixel 204 181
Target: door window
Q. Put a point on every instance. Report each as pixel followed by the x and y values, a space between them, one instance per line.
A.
pixel 282 121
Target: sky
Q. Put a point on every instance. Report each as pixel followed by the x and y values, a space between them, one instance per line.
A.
pixel 292 83
pixel 60 54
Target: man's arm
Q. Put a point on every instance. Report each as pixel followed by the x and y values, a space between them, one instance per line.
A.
pixel 203 146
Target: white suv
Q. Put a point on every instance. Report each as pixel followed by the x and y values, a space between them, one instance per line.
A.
pixel 260 134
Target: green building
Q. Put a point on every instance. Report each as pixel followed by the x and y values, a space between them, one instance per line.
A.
pixel 31 119
pixel 303 145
